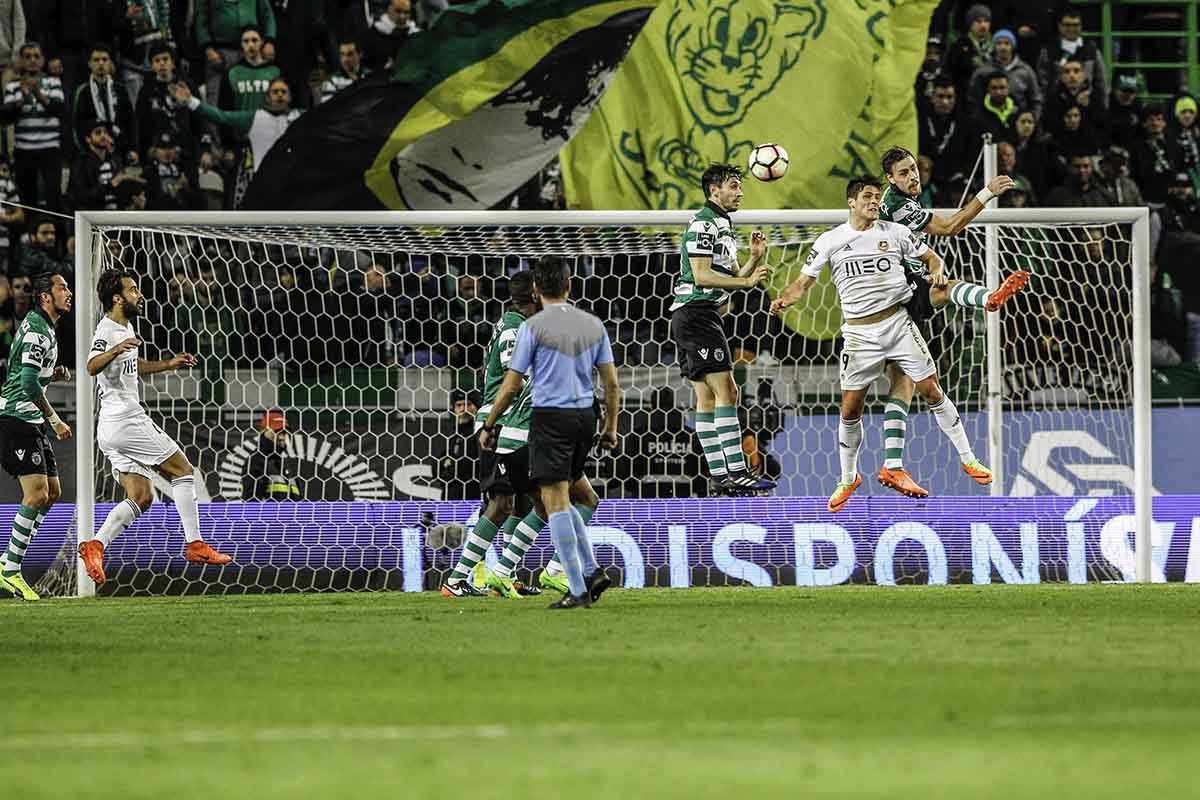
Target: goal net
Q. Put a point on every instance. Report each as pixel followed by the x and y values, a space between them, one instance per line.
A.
pixel 367 333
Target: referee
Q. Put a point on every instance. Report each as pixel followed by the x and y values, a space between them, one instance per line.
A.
pixel 562 345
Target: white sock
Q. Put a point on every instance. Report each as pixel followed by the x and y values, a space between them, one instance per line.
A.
pixel 555 567
pixel 951 424
pixel 184 491
pixel 121 517
pixel 849 441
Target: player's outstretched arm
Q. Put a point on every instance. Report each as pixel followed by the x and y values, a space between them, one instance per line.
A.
pixel 937 269
pixel 792 293
pixel 146 367
pixel 941 226
pixel 98 363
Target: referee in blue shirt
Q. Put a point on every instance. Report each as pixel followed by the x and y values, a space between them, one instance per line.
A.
pixel 562 345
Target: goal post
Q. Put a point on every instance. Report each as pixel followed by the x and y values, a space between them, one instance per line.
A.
pixel 581 233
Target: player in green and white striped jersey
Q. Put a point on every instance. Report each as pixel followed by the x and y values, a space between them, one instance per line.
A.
pixel 899 204
pixel 708 270
pixel 25 450
pixel 504 474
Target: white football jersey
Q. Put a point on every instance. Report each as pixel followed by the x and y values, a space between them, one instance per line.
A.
pixel 867 266
pixel 120 388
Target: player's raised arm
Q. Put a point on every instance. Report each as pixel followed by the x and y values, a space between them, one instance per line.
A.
pixel 148 367
pixel 952 226
pixel 102 355
pixel 818 256
pixel 758 251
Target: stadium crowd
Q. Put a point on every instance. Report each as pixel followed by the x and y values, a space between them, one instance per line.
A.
pixel 129 104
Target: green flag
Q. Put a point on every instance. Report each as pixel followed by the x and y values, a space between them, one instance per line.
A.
pixel 476 106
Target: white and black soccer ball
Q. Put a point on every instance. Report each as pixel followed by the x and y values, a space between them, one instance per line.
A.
pixel 768 162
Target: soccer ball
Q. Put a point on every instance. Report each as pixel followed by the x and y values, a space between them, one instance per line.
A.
pixel 768 162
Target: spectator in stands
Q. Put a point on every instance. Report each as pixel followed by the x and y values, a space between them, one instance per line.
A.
pixel 36 105
pixel 1168 319
pixel 1081 190
pixel 1071 46
pixel 68 28
pixel 102 98
pixel 350 69
pixel 131 195
pixel 1006 163
pixel 244 85
pixel 1186 134
pixel 1181 214
pixel 1073 133
pixel 142 26
pixel 945 133
pixel 219 28
pixel 12 34
pixel 1114 177
pixel 1124 112
pixel 358 17
pixel 168 187
pixel 159 113
pixel 1035 155
pixel 932 69
pixel 929 190
pixel 11 216
pixel 204 323
pixel 1019 196
pixel 370 314
pixel 995 113
pixel 421 293
pixel 263 128
pixel 270 49
pixel 42 254
pixel 98 171
pixel 1073 88
pixel 388 33
pixel 973 49
pixel 1023 85
pixel 306 36
pixel 460 450
pixel 268 475
pixel 1156 157
pixel 22 298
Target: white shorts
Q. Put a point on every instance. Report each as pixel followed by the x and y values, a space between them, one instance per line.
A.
pixel 868 348
pixel 134 445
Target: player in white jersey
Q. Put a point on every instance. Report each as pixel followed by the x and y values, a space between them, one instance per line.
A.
pixel 866 258
pixel 134 445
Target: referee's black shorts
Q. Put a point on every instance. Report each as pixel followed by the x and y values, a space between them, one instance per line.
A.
pixel 559 442
pixel 700 345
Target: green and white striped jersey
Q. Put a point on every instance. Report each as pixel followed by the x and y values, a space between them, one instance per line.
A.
pixel 514 425
pixel 711 235
pixel 896 206
pixel 34 345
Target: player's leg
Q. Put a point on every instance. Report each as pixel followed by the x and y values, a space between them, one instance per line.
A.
pixel 139 495
pixel 972 295
pixel 35 493
pixel 906 345
pixel 706 431
pixel 729 434
pixel 496 511
pixel 850 435
pixel 178 470
pixel 893 474
pixel 946 414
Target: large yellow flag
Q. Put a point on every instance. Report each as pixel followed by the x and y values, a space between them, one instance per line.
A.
pixel 830 80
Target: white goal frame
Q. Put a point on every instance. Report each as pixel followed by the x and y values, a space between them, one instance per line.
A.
pixel 85 303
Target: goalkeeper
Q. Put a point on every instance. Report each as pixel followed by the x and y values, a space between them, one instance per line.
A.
pixel 900 205
pixel 504 474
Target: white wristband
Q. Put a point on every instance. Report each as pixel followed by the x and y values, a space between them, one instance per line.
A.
pixel 985 195
pixel 54 419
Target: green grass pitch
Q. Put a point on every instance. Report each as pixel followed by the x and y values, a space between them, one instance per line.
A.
pixel 932 692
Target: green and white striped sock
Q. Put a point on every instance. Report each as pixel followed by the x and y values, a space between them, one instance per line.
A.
pixel 474 549
pixel 23 528
pixel 710 443
pixel 895 423
pixel 969 295
pixel 730 432
pixel 518 544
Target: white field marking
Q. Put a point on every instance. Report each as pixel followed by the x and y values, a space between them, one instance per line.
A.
pixel 390 733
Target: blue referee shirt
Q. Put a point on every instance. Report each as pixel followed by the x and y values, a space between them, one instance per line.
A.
pixel 563 345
